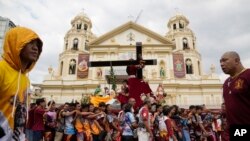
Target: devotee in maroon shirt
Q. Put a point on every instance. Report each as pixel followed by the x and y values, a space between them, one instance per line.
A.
pixel 236 89
pixel 236 93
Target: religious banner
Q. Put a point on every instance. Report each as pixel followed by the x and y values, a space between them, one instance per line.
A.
pixel 82 71
pixel 179 69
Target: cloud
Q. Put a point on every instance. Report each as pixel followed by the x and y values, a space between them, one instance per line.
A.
pixel 218 25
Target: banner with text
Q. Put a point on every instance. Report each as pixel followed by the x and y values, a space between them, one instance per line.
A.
pixel 83 68
pixel 179 69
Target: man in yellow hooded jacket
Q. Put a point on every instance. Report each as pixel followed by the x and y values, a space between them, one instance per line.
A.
pixel 22 48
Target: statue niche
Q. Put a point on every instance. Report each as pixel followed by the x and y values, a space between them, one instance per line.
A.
pixel 162 69
pixel 99 73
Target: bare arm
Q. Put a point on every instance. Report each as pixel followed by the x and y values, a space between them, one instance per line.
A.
pixel 86 113
pixel 105 118
pixel 68 113
pixel 98 125
pixel 92 115
pixel 200 123
pixel 134 124
pixel 202 127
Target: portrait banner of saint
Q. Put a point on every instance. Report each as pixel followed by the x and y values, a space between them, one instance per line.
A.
pixel 179 69
pixel 82 71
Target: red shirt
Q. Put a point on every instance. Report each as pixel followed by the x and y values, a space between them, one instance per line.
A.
pixel 169 126
pixel 30 121
pixel 236 93
pixel 38 119
pixel 145 114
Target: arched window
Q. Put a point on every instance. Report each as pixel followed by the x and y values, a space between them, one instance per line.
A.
pixel 79 26
pixel 75 44
pixel 189 66
pixel 61 68
pixel 181 25
pixel 185 43
pixel 174 26
pixel 85 27
pixel 72 66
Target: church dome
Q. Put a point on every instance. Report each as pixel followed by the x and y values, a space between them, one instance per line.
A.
pixel 82 17
pixel 176 18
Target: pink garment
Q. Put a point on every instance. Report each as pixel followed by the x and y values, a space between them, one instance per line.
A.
pixel 52 115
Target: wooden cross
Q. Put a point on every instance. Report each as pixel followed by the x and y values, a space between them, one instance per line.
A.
pixel 126 62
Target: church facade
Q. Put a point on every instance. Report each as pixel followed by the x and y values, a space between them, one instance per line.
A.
pixel 178 69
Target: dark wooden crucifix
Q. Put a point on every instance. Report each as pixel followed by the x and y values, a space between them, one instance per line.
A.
pixel 126 62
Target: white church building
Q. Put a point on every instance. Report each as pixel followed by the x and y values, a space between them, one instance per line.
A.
pixel 178 69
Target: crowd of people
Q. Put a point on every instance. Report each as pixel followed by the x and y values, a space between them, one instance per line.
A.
pixel 150 122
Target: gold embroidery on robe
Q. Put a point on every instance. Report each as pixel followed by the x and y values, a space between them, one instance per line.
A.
pixel 239 84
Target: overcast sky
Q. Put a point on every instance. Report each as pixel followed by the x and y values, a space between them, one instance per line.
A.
pixel 219 25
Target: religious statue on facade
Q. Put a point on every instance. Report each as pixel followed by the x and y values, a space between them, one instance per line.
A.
pixel 85 99
pixel 212 69
pixel 99 73
pixel 50 70
pixel 106 91
pixel 160 94
pixel 162 72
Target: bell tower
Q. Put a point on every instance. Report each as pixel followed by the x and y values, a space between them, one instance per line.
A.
pixel 76 42
pixel 185 42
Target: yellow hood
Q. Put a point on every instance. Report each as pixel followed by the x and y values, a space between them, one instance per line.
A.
pixel 15 40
